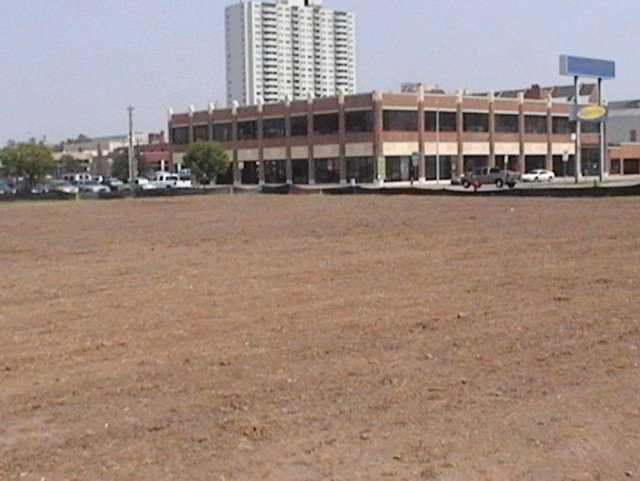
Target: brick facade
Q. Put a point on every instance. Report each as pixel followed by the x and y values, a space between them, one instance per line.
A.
pixel 375 135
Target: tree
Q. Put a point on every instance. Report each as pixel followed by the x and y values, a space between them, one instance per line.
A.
pixel 69 164
pixel 143 166
pixel 31 161
pixel 120 165
pixel 206 160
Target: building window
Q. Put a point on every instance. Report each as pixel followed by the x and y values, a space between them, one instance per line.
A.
pixel 222 132
pixel 249 173
pixel 398 168
pixel 400 120
pixel 590 127
pixel 247 130
pixel 299 126
pixel 535 124
pixel 273 128
pixel 474 122
pixel 360 169
pixel 532 162
pixel 615 166
pixel 325 124
pixel 201 132
pixel 447 163
pixel 506 123
pixel 327 171
pixel 633 136
pixel 472 162
pixel 300 168
pixel 447 121
pixel 180 135
pixel 631 166
pixel 359 121
pixel 275 171
pixel 561 125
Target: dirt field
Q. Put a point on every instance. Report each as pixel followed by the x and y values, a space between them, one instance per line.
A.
pixel 320 338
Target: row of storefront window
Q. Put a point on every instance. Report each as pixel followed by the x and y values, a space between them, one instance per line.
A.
pixel 402 168
pixel 326 171
pixel 362 121
pixel 625 166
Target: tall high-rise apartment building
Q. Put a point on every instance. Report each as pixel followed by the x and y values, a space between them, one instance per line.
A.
pixel 288 49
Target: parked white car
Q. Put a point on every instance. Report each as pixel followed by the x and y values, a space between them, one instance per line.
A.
pixel 538 175
pixel 143 183
pixel 63 186
pixel 92 187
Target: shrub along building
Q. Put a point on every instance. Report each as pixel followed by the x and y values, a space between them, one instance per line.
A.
pixel 384 136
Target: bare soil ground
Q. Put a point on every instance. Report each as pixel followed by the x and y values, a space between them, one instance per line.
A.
pixel 320 338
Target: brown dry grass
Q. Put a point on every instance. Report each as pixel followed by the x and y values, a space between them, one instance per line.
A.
pixel 320 338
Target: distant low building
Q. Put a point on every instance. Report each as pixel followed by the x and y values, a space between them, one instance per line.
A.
pixel 586 92
pixel 415 87
pixel 624 122
pixel 622 135
pixel 625 158
pixel 95 155
pixel 102 145
pixel 156 156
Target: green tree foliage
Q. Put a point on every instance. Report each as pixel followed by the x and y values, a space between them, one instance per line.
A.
pixel 78 139
pixel 120 165
pixel 206 160
pixel 68 164
pixel 143 166
pixel 32 161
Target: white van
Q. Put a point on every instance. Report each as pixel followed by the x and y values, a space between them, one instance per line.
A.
pixel 170 181
pixel 78 177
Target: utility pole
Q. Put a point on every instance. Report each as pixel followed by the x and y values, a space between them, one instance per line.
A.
pixel 438 142
pixel 130 109
pixel 578 144
pixel 603 143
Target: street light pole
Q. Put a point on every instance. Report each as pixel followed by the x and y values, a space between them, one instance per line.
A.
pixel 578 154
pixel 438 142
pixel 603 144
pixel 130 109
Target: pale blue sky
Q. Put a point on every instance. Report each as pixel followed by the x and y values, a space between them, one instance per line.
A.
pixel 73 66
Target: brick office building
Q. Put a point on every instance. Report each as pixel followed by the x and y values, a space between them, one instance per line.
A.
pixel 374 136
pixel 625 159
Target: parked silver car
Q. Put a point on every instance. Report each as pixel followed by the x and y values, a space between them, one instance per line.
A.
pixel 92 188
pixel 63 186
pixel 489 175
pixel 6 188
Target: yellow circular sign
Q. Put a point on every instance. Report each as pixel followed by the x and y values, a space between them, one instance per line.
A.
pixel 592 112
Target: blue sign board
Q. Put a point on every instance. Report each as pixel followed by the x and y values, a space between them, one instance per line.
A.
pixel 587 67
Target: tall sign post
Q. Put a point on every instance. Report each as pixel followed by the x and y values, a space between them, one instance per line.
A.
pixel 577 67
pixel 415 158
